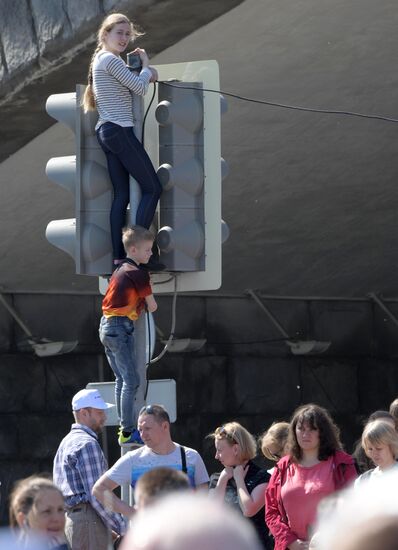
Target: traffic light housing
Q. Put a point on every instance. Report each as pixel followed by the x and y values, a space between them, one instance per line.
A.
pixel 87 237
pixel 183 138
pixel 181 235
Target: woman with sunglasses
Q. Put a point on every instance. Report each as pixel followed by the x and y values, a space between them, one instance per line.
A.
pixel 273 442
pixel 241 483
pixel 314 468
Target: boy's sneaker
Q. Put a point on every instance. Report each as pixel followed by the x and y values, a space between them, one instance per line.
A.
pixel 128 439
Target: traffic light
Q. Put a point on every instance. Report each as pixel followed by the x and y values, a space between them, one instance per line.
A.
pixel 181 237
pixel 87 237
pixel 187 149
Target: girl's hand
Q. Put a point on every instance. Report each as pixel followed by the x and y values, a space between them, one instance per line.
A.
pixel 155 75
pixel 143 55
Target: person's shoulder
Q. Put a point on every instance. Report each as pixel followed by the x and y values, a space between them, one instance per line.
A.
pixel 284 462
pixel 260 474
pixel 136 274
pixel 189 451
pixel 129 267
pixel 78 436
pixel 341 457
pixel 139 453
pixel 365 476
pixel 103 58
pixel 104 54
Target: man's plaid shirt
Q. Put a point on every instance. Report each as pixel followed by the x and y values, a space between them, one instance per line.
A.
pixel 78 464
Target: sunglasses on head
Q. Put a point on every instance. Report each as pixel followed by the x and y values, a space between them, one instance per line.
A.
pixel 147 409
pixel 158 411
pixel 224 433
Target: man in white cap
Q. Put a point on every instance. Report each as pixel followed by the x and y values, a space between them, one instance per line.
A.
pixel 78 464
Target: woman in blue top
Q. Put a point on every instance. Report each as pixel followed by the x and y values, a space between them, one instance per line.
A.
pixel 111 90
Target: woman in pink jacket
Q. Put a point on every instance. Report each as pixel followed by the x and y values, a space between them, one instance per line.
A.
pixel 314 467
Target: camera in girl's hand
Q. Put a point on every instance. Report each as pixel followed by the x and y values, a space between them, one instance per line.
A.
pixel 134 62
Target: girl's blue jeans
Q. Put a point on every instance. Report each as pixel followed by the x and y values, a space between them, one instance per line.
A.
pixel 126 157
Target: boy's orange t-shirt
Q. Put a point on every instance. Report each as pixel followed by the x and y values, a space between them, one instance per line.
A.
pixel 125 296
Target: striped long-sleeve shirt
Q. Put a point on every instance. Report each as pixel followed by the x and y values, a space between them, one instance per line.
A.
pixel 78 464
pixel 114 87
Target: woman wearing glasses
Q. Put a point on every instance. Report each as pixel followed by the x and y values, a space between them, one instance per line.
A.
pixel 241 483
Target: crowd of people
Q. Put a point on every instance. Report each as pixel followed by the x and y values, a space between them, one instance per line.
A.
pixel 313 485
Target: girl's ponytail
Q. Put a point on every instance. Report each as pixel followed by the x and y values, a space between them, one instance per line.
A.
pixel 88 101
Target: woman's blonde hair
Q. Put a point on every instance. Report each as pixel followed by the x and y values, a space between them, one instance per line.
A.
pixel 394 411
pixel 107 25
pixel 25 493
pixel 276 435
pixel 380 432
pixel 235 433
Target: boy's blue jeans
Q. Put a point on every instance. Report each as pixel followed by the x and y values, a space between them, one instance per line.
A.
pixel 117 336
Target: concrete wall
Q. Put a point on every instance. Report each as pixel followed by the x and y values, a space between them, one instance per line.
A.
pixel 35 33
pixel 238 374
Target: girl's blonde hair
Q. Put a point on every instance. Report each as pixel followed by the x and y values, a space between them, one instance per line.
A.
pixel 276 435
pixel 380 432
pixel 25 493
pixel 394 411
pixel 107 25
pixel 234 433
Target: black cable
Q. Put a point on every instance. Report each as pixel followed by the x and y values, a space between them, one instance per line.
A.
pixel 284 105
pixel 149 353
pixel 173 325
pixel 146 114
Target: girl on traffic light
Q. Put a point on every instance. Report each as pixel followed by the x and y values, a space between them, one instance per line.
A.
pixel 111 90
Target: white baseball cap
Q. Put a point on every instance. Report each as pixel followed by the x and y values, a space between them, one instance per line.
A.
pixel 89 398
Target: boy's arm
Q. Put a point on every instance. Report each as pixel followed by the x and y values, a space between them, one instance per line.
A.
pixel 151 303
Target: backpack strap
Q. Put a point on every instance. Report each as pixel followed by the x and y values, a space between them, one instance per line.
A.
pixel 183 459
